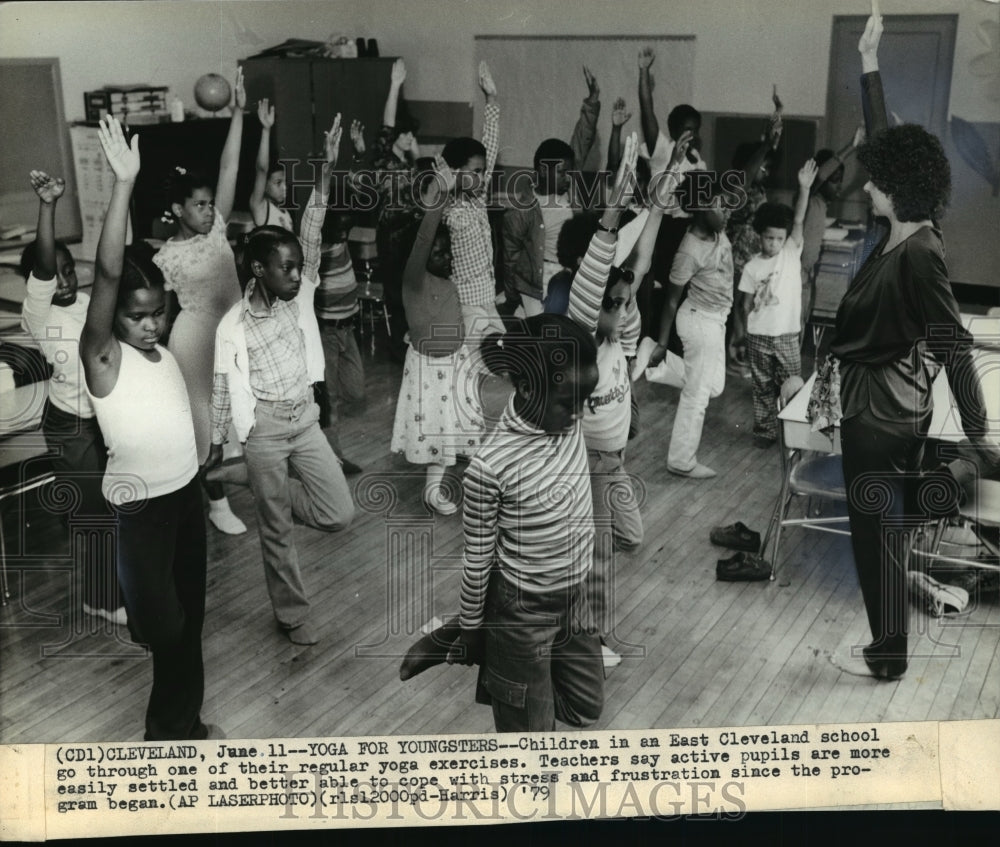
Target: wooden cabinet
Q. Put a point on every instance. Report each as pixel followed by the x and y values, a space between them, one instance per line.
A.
pixel 307 93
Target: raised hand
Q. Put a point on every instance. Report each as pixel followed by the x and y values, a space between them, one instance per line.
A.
pixel 807 174
pixel 398 75
pixel 265 113
pixel 625 178
pixel 859 136
pixel 774 129
pixel 122 157
pixel 358 136
pixel 593 89
pixel 331 141
pixel 446 182
pixel 619 113
pixel 49 189
pixel 869 41
pixel 240 91
pixel 646 57
pixel 680 149
pixel 486 80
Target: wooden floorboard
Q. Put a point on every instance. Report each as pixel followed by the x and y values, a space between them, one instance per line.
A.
pixel 697 652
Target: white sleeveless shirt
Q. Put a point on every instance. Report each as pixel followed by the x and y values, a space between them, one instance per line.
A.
pixel 147 426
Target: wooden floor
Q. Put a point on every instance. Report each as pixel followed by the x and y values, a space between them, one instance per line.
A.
pixel 699 653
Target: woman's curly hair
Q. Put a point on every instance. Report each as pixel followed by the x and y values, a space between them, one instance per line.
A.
pixel 908 164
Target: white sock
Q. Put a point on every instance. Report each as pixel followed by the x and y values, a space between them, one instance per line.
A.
pixel 223 518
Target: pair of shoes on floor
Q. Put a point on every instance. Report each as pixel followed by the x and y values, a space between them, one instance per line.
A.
pixel 437 501
pixel 302 634
pixel 118 617
pixel 610 658
pixel 742 567
pixel 763 442
pixel 223 518
pixel 736 536
pixel 883 667
pixel 699 471
pixel 349 468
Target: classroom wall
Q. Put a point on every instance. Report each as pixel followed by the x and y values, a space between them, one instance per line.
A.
pixel 739 42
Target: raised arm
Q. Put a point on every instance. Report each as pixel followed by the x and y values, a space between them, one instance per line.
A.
pixel 49 190
pixel 619 117
pixel 807 174
pixel 661 191
pixel 647 115
pixel 258 203
pixel 311 227
pixel 491 119
pixel 769 142
pixel 587 291
pixel 99 349
pixel 396 80
pixel 872 96
pixel 585 130
pixel 229 164
pixel 836 161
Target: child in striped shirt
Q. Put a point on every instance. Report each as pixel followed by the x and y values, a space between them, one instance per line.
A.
pixel 529 536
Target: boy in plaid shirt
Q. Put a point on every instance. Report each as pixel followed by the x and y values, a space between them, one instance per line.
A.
pixel 467 221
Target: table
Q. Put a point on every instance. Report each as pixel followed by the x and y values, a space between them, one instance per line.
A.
pixel 945 422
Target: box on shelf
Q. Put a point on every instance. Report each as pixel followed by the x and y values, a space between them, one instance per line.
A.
pixel 130 104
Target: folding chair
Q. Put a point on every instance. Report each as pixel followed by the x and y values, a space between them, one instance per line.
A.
pixel 802 475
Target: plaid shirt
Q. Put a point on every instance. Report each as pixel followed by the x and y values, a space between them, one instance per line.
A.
pixel 275 344
pixel 471 239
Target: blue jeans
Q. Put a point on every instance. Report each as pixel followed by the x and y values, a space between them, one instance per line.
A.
pixel 543 658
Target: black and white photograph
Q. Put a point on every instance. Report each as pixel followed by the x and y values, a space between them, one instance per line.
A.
pixel 455 368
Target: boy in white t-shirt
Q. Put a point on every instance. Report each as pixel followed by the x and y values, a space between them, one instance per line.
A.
pixel 767 322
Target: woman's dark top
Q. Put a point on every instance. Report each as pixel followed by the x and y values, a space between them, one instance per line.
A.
pixel 897 309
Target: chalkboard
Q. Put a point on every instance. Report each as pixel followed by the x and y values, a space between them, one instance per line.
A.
pixel 36 137
pixel 540 86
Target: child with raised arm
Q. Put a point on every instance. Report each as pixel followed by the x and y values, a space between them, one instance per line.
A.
pixel 429 428
pixel 53 313
pixel 471 240
pixel 529 536
pixel 704 266
pixel 267 356
pixel 767 319
pixel 199 267
pixel 269 188
pixel 602 301
pixel 531 226
pixel 151 481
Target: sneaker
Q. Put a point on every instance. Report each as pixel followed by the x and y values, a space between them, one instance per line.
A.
pixel 118 617
pixel 224 520
pixel 610 657
pixel 737 536
pixel 699 471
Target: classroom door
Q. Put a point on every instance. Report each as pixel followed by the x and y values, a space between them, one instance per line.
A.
pixel 915 60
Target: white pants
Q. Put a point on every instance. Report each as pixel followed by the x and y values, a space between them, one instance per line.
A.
pixel 703 335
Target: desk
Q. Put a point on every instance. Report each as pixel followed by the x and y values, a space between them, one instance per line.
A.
pixel 945 422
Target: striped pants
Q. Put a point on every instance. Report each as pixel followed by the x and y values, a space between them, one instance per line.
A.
pixel 773 358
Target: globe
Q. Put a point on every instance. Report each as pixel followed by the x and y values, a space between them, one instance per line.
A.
pixel 212 92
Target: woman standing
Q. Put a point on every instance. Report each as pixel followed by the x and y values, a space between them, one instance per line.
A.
pixel 898 312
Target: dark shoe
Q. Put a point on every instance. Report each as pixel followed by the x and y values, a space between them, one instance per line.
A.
pixel 883 667
pixel 764 442
pixel 743 567
pixel 430 650
pixel 302 634
pixel 349 468
pixel 736 536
